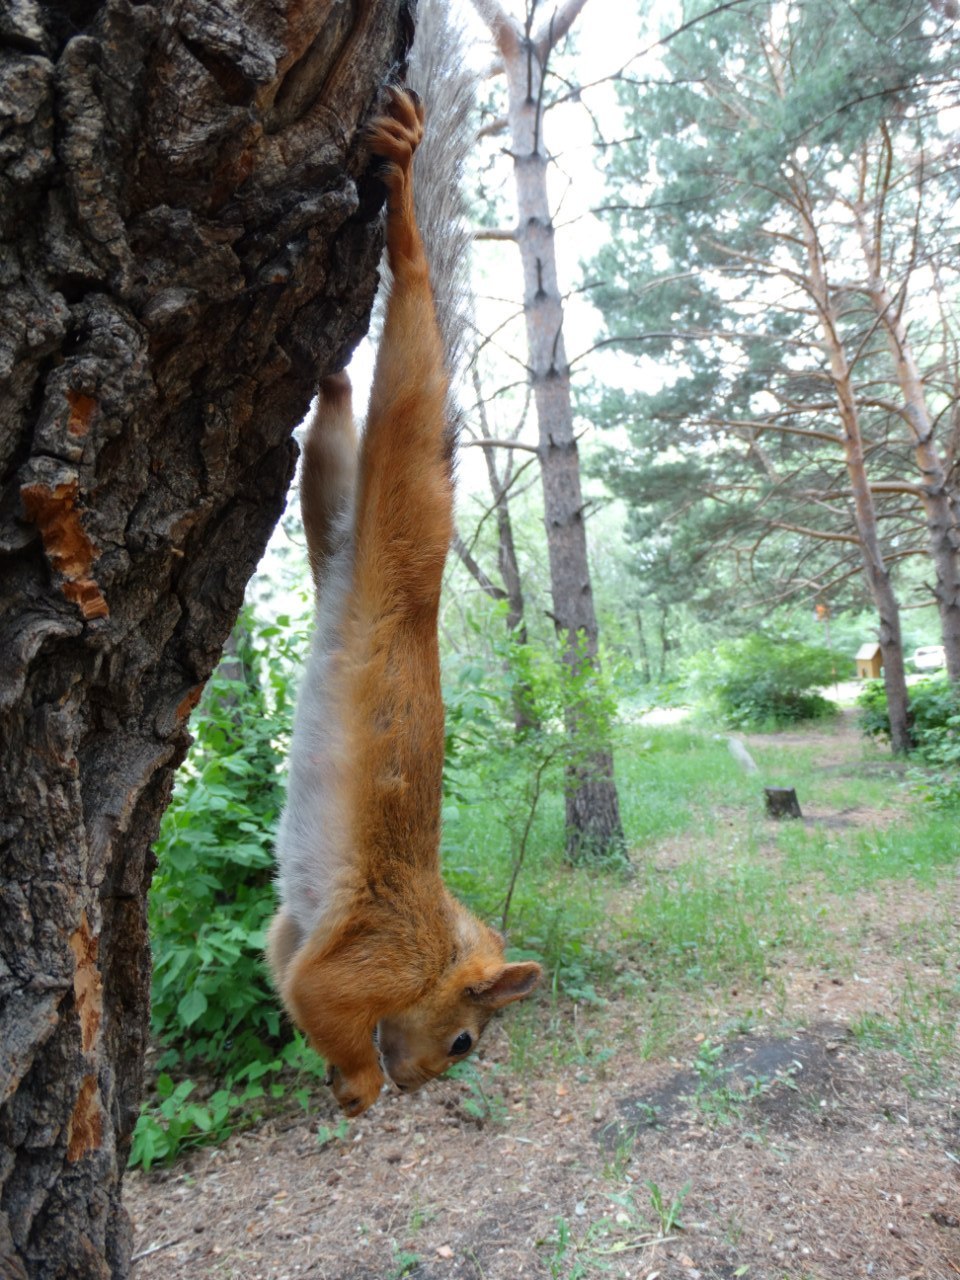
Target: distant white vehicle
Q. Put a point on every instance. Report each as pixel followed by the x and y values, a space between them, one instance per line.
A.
pixel 929 657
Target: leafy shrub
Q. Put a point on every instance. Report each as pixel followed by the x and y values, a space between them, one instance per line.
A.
pixel 212 895
pixel 872 715
pixel 761 680
pixel 934 730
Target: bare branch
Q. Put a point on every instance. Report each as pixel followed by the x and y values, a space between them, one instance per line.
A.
pixel 499 444
pixel 822 534
pixel 762 425
pixel 495 233
pixel 489 588
pixel 556 27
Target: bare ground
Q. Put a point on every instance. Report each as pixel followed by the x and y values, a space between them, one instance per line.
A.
pixel 797 1151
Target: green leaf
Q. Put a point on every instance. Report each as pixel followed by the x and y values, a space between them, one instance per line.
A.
pixel 192 1006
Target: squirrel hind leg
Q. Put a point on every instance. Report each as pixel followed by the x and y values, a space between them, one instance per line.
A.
pixel 328 472
pixel 393 138
pixel 283 942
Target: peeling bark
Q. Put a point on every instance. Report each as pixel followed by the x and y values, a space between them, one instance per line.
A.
pixel 188 241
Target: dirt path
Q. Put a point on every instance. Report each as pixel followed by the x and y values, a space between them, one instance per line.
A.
pixel 772 1143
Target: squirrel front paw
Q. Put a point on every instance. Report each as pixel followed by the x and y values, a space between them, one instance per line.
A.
pixel 357 1092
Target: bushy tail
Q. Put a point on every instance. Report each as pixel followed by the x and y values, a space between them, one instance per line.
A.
pixel 438 73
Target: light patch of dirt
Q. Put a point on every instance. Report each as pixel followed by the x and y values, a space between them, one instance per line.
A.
pixel 793 1152
pixel 830 738
pixel 883 935
pixel 803 1156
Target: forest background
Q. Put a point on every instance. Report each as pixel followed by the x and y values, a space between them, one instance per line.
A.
pixel 758 284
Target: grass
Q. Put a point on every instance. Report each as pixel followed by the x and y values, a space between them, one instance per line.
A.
pixel 731 895
pixel 925 1030
pixel 673 780
pixel 703 925
pixel 730 900
pixel 917 848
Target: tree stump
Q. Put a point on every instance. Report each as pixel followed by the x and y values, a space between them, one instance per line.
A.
pixel 782 802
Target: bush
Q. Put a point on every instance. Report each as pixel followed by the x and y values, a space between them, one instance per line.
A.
pixel 212 896
pixel 933 704
pixel 760 680
pixel 934 731
pixel 872 716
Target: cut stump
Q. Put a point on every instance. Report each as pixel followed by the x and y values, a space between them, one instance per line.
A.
pixel 782 802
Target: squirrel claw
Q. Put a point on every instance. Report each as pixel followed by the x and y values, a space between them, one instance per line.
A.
pixel 395 135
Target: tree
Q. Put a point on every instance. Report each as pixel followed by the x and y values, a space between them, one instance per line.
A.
pixel 871 214
pixel 728 229
pixel 189 242
pixel 592 807
pixel 508 565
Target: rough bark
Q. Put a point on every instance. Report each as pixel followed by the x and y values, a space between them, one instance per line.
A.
pixel 187 241
pixel 876 572
pixel 939 507
pixel 592 807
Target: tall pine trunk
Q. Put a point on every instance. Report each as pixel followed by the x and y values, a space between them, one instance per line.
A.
pixel 592 807
pixel 187 244
pixel 939 504
pixel 876 572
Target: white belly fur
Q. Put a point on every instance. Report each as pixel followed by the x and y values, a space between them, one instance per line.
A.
pixel 312 839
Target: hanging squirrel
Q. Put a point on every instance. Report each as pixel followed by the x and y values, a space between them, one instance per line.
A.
pixel 375 960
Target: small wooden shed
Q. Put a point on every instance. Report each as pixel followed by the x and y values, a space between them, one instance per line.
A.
pixel 869 662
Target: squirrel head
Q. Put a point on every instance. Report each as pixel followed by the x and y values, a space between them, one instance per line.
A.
pixel 443 1027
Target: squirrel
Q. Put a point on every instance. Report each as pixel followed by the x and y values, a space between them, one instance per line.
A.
pixel 375 960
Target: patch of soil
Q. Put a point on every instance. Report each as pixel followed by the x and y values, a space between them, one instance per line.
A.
pixel 798 1155
pixel 772 1077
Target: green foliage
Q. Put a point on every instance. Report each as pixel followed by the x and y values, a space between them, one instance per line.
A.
pixel 760 680
pixel 872 716
pixel 480 1105
pixel 212 895
pixel 667 1210
pixel 177 1121
pixel 934 729
pixel 487 751
pixel 701 286
pixel 405 1262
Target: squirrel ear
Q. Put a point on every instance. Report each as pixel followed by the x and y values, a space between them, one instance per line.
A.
pixel 512 982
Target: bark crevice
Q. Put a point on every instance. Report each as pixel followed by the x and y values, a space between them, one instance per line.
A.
pixel 185 251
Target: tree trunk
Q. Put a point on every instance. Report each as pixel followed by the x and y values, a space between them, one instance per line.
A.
pixel 592 807
pixel 878 577
pixel 188 244
pixel 524 713
pixel 645 672
pixel 943 529
pixel 665 642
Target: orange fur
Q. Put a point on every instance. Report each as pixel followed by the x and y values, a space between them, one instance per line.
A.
pixel 391 951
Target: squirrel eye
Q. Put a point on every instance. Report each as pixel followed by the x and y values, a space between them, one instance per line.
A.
pixel 463 1044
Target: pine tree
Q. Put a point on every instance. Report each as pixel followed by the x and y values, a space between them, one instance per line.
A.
pixel 734 223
